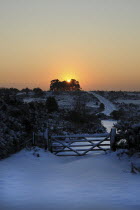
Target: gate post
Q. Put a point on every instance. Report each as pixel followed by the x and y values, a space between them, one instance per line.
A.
pixel 112 139
pixel 46 136
pixel 48 140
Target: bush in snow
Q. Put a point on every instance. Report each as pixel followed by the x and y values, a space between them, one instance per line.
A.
pixel 51 104
pixel 117 114
pixel 18 121
pixel 128 136
pixel 102 106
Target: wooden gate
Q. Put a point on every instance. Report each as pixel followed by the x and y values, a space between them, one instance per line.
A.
pixel 78 145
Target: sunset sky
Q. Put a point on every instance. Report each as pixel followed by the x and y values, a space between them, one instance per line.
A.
pixel 96 42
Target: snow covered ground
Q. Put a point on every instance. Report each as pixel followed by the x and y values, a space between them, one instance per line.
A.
pixel 109 107
pixel 92 104
pixel 128 101
pixel 50 182
pixel 29 100
pixel 134 94
pixel 108 124
pixel 96 181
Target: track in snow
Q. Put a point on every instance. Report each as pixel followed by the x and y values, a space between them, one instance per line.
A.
pixel 109 106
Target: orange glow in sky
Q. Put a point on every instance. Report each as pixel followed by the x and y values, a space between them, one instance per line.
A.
pixel 94 42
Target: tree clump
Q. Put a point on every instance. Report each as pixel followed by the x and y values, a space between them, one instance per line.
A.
pixel 38 91
pixel 57 85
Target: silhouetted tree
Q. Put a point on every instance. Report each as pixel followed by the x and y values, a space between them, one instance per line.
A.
pixel 38 91
pixel 51 104
pixel 26 90
pixel 57 85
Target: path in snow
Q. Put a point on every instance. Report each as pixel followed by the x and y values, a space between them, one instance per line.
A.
pixel 108 124
pixel 73 183
pixel 109 106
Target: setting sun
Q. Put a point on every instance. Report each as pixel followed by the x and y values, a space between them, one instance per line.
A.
pixel 68 80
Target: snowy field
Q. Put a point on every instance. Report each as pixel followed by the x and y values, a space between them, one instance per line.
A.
pixel 128 101
pixel 134 94
pixel 50 182
pixel 92 105
pixel 29 100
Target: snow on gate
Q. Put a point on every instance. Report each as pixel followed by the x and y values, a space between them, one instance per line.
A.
pixel 78 145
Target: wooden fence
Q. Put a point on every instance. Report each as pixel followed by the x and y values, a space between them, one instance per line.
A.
pixel 73 145
pixel 78 145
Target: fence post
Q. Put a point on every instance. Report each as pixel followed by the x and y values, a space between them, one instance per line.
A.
pixel 48 140
pixel 112 139
pixel 33 139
